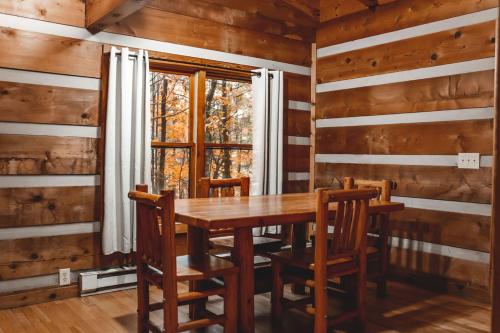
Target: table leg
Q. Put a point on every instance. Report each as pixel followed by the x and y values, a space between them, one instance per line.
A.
pixel 196 236
pixel 243 258
pixel 298 244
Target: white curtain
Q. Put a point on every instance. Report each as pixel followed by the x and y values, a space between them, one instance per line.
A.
pixel 128 145
pixel 267 162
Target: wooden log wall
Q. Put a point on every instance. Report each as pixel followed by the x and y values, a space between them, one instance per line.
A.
pixel 298 132
pixel 401 104
pixel 50 76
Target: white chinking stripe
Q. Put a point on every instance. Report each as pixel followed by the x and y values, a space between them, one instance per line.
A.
pixel 445 206
pixel 48 129
pixel 299 140
pixel 43 281
pixel 410 75
pixel 424 160
pixel 409 118
pixel 48 181
pixel 442 250
pixel 48 79
pixel 300 106
pixel 419 30
pixel 62 30
pixel 49 230
pixel 297 176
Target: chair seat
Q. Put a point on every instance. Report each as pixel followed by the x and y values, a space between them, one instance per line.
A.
pixel 190 268
pixel 206 267
pixel 305 259
pixel 258 261
pixel 261 244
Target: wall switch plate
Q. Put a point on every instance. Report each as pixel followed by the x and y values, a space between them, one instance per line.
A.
pixel 64 276
pixel 468 160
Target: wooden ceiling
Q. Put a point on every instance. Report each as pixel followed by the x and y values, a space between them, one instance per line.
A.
pixel 332 9
pixel 293 19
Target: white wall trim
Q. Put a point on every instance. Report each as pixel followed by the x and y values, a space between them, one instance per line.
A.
pixel 299 140
pixel 445 206
pixel 48 181
pixel 48 79
pixel 425 160
pixel 56 29
pixel 409 118
pixel 300 106
pixel 52 280
pixel 416 31
pixel 442 250
pixel 49 230
pixel 49 129
pixel 297 176
pixel 410 75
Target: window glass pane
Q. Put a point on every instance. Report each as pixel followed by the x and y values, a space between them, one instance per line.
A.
pixel 171 168
pixel 170 107
pixel 228 112
pixel 227 163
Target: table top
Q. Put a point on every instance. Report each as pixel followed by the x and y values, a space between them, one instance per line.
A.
pixel 257 211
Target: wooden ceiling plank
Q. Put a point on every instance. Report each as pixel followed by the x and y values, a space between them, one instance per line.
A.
pixel 273 9
pixel 235 17
pixel 372 4
pixel 100 14
pixel 309 7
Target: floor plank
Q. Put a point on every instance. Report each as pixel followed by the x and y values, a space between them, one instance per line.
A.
pixel 407 309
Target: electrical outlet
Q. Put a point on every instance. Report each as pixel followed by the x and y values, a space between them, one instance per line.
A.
pixel 64 276
pixel 468 160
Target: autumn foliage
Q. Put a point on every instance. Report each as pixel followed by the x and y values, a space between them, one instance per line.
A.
pixel 228 120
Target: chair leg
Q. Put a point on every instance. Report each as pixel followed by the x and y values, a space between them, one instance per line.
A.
pixel 197 308
pixel 231 303
pixel 382 287
pixel 361 299
pixel 385 253
pixel 321 306
pixel 277 293
pixel 142 302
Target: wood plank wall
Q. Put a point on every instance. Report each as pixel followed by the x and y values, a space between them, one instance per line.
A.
pixel 49 130
pixel 392 105
pixel 298 133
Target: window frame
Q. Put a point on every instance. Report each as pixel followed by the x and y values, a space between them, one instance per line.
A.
pixel 196 124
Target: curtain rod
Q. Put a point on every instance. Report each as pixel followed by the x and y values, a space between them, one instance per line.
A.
pixel 245 71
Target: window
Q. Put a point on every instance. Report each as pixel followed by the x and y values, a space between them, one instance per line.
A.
pixel 228 128
pixel 223 129
pixel 171 142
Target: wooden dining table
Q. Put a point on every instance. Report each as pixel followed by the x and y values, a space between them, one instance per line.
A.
pixel 245 213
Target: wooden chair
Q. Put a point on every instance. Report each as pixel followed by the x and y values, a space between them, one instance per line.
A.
pixel 223 239
pixel 378 231
pixel 158 265
pixel 313 267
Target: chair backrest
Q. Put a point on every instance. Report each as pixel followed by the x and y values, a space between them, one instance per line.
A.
pixel 210 188
pixel 155 229
pixel 384 187
pixel 349 234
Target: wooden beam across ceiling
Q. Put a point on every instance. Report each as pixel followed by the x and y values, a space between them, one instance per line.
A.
pixel 372 4
pixel 278 17
pixel 100 14
pixel 310 7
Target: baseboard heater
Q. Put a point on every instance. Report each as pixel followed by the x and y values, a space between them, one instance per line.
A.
pixel 114 279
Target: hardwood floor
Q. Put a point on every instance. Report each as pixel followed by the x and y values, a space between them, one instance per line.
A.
pixel 407 309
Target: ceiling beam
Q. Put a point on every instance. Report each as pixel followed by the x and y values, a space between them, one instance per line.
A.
pixel 100 14
pixel 235 17
pixel 309 7
pixel 372 4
